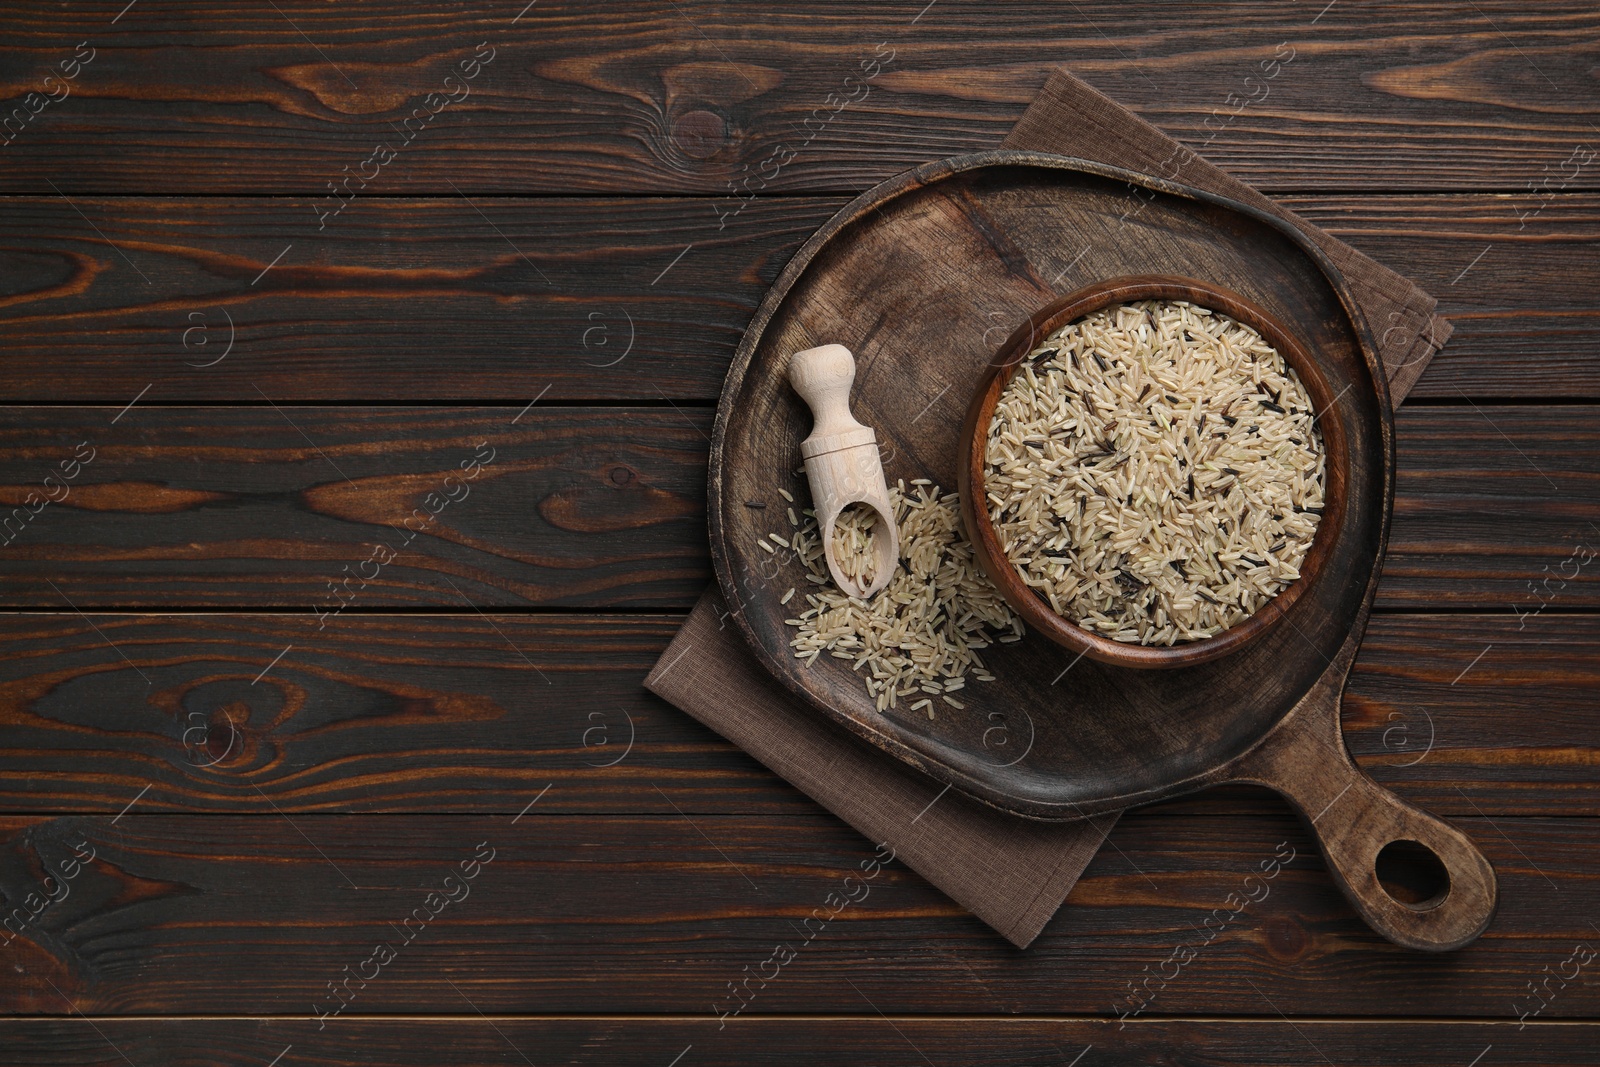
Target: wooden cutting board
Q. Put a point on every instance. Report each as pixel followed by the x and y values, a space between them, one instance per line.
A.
pixel 924 278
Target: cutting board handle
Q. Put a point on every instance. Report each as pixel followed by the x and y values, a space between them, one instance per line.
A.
pixel 1449 887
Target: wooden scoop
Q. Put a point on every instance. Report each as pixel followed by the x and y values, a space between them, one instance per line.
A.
pixel 842 461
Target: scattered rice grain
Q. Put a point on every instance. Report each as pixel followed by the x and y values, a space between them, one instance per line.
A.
pixel 924 629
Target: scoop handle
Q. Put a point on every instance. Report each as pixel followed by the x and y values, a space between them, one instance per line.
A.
pixel 823 377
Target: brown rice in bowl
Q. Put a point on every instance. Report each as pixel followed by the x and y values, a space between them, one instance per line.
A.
pixel 1154 472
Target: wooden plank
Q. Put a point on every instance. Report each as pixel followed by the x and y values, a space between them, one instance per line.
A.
pixel 1528 470
pixel 399 300
pixel 1513 274
pixel 912 1041
pixel 226 713
pixel 604 507
pixel 563 914
pixel 698 97
pixel 325 509
pixel 584 298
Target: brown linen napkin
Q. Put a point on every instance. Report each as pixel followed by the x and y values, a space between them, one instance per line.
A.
pixel 1071 119
pixel 1011 873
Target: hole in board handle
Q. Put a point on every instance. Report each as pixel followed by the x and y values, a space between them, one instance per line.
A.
pixel 1412 875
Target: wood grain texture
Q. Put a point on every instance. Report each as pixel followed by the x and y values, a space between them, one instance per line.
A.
pixel 604 507
pixel 1467 715
pixel 569 294
pixel 749 1042
pixel 338 509
pixel 231 914
pixel 397 300
pixel 1525 474
pixel 1514 274
pixel 693 97
pixel 647 124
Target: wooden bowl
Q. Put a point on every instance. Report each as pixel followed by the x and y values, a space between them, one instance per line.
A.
pixel 1033 608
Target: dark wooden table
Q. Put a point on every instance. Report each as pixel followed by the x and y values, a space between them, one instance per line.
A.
pixel 360 360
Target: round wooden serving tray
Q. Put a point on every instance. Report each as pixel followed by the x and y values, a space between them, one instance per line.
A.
pixel 924 278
